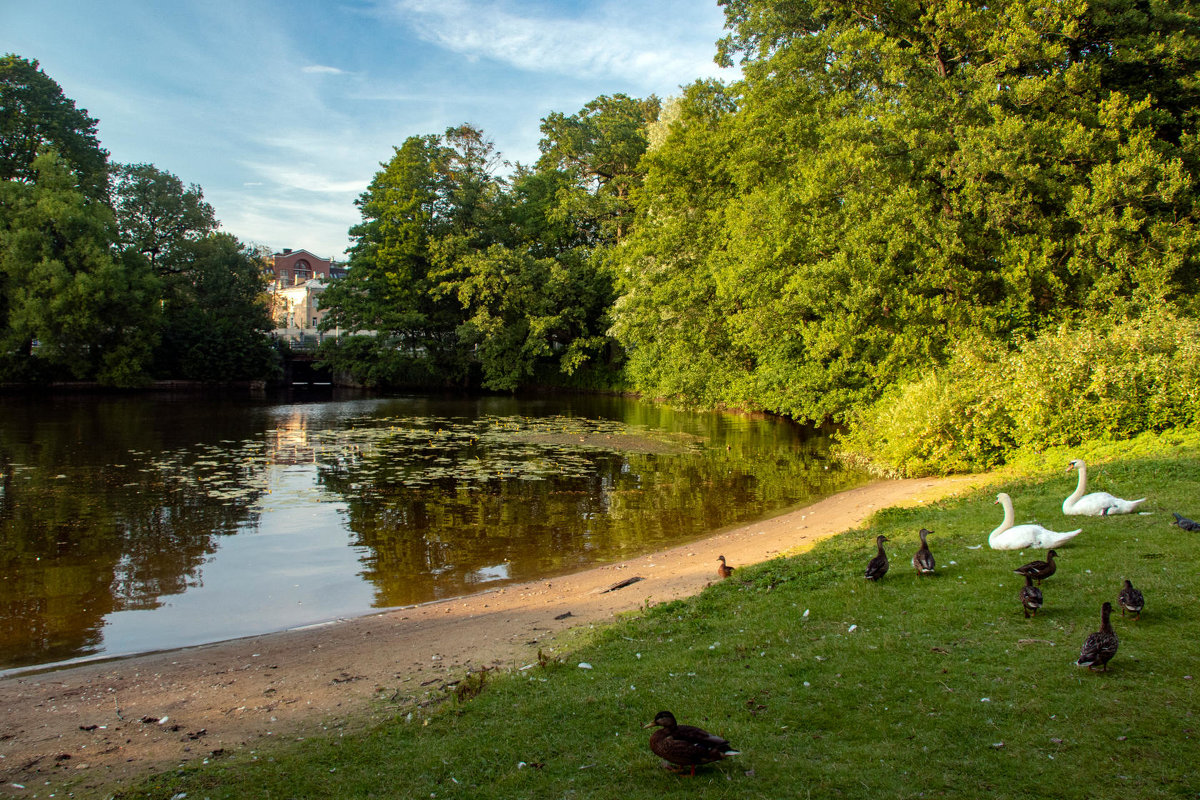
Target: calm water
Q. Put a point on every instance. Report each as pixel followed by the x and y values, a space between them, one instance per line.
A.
pixel 134 524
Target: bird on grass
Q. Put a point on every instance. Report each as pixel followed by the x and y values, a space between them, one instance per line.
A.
pixel 724 570
pixel 923 559
pixel 1031 598
pixel 685 746
pixel 1099 647
pixel 1008 536
pixel 1131 600
pixel 1185 523
pixel 1039 570
pixel 1096 504
pixel 878 565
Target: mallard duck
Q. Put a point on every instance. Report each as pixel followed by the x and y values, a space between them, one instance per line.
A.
pixel 686 745
pixel 1099 647
pixel 1031 598
pixel 1096 504
pixel 878 565
pixel 724 570
pixel 1131 600
pixel 923 559
pixel 1185 523
pixel 1022 537
pixel 1039 570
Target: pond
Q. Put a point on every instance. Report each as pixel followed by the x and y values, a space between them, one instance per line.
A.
pixel 138 523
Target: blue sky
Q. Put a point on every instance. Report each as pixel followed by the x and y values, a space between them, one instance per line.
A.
pixel 283 111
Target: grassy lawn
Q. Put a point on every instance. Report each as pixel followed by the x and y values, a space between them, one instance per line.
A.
pixel 832 686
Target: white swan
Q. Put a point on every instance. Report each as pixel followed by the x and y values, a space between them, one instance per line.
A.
pixel 1096 504
pixel 1023 537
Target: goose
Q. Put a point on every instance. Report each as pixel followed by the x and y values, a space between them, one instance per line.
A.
pixel 1023 537
pixel 878 566
pixel 923 560
pixel 724 570
pixel 1031 597
pixel 686 745
pixel 1039 569
pixel 1096 504
pixel 1131 600
pixel 1099 647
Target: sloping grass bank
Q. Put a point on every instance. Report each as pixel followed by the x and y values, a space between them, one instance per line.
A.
pixel 832 686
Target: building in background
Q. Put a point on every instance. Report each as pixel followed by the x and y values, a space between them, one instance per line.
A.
pixel 297 280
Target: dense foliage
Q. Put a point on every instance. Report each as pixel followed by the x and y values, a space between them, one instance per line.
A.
pixel 890 178
pixel 108 272
pixel 469 279
pixel 1065 387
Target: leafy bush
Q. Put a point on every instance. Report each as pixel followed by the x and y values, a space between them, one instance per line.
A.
pixel 1100 381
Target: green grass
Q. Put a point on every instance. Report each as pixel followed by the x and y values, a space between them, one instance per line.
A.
pixel 942 688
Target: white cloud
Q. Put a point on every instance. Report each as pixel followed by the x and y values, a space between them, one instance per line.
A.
pixel 629 44
pixel 320 69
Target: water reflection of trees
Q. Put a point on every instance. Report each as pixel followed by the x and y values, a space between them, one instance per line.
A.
pixel 111 504
pixel 448 536
pixel 80 537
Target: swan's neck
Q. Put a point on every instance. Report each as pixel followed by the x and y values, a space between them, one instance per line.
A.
pixel 1082 487
pixel 1008 515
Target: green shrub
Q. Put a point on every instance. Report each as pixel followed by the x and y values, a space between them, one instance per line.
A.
pixel 1074 384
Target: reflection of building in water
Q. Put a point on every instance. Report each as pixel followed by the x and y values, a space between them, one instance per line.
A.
pixel 290 443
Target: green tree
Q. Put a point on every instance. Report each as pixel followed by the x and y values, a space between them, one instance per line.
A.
pixel 214 321
pixel 34 114
pixel 157 215
pixel 420 212
pixel 73 307
pixel 602 146
pixel 905 175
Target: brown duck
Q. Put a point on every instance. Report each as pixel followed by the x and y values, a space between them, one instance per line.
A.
pixel 1099 647
pixel 1131 600
pixel 1039 570
pixel 685 745
pixel 724 570
pixel 923 560
pixel 1031 598
pixel 878 565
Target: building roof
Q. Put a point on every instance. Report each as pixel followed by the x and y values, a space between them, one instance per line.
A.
pixel 299 252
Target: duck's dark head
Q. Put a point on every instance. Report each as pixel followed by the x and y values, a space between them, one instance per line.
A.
pixel 924 532
pixel 721 559
pixel 1052 554
pixel 663 719
pixel 880 539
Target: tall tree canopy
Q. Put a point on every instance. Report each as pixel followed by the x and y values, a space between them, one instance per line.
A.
pixel 472 279
pixel 34 114
pixel 902 175
pixel 112 283
pixel 157 215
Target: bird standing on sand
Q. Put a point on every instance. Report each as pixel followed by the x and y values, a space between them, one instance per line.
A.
pixel 1039 570
pixel 685 745
pixel 923 560
pixel 1031 598
pixel 1099 647
pixel 1131 600
pixel 724 570
pixel 878 565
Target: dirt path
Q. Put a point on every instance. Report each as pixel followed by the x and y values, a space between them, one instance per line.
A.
pixel 94 728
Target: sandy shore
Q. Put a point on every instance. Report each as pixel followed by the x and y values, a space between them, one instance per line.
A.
pixel 94 728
